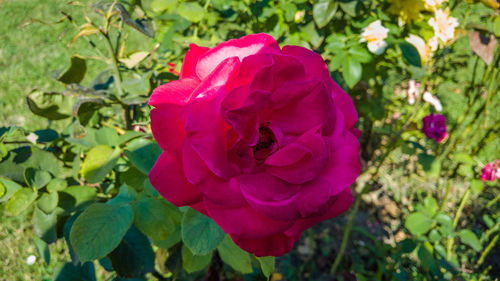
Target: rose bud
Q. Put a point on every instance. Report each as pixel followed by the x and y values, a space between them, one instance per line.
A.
pixel 258 138
pixel 434 127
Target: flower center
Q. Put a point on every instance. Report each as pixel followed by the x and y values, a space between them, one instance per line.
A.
pixel 266 144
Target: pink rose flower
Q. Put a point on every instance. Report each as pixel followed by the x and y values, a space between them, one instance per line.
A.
pixel 258 138
pixel 491 171
pixel 435 127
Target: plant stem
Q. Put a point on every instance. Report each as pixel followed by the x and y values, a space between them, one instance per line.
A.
pixel 455 220
pixel 447 192
pixel 488 249
pixel 493 201
pixel 118 82
pixel 345 238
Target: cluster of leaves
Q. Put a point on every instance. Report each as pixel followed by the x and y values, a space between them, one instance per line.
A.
pixel 84 178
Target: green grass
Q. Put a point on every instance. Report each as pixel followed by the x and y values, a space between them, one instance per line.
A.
pixel 17 244
pixel 28 55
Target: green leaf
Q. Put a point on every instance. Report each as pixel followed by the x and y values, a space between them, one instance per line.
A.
pixel 173 239
pixel 149 189
pixel 418 223
pixel 351 71
pixel 134 256
pixel 360 54
pixel 36 178
pixel 231 254
pixel 56 185
pixel 21 200
pixel 162 5
pixel 407 246
pixel 410 53
pixel 134 59
pixel 3 150
pixel 152 217
pixel 43 249
pixel 430 205
pixel 496 26
pixel 10 188
pixel 425 254
pixel 48 202
pixel 76 197
pixel 44 225
pixel 323 12
pixel 191 11
pixel 85 108
pixel 143 154
pixel 464 158
pixel 267 265
pixel 469 238
pixel 192 263
pixel 200 233
pixel 99 161
pixel 434 236
pixel 133 178
pixel 126 194
pixel 51 105
pixel 71 272
pixel 350 7
pixel 2 189
pixel 476 186
pixel 75 72
pixel 99 230
pixel 67 230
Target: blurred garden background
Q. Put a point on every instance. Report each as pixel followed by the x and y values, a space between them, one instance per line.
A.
pixel 75 78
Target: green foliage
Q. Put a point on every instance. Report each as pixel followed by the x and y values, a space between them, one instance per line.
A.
pixel 83 177
pixel 99 230
pixel 231 254
pixel 200 233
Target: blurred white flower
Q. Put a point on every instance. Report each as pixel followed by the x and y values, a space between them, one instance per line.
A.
pixel 423 49
pixel 444 26
pixel 434 4
pixel 374 34
pixel 413 91
pixel 433 100
pixel 31 260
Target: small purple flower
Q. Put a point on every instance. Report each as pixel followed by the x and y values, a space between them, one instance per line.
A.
pixel 435 127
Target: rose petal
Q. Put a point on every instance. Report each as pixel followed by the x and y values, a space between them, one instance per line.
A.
pixel 249 67
pixel 317 68
pixel 241 48
pixel 275 245
pixel 284 69
pixel 168 128
pixel 340 204
pixel 206 131
pixel 167 176
pixel 195 169
pixel 175 92
pixel 222 192
pixel 191 60
pixel 282 210
pixel 301 161
pixel 299 116
pixel 339 174
pixel 218 78
pixel 245 221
